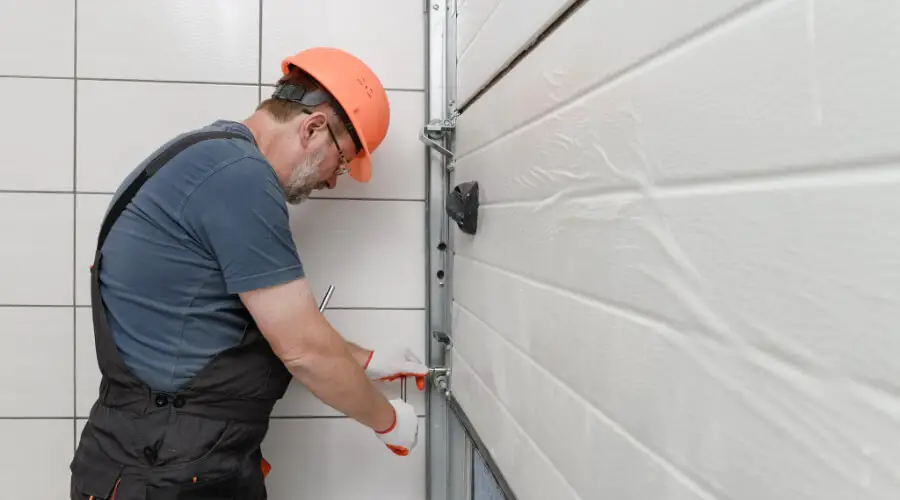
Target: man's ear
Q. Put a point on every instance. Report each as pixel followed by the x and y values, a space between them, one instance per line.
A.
pixel 313 124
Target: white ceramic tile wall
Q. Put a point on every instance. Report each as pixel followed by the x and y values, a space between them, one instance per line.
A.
pixel 684 284
pixel 81 109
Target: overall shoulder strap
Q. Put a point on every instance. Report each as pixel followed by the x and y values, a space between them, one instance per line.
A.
pixel 153 166
pixel 111 365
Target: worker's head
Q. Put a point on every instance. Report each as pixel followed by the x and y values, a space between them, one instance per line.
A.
pixel 325 117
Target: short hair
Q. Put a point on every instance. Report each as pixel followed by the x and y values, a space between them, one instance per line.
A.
pixel 283 110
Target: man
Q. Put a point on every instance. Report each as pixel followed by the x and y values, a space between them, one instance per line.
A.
pixel 202 315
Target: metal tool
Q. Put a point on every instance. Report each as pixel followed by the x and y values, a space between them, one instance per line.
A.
pixel 326 298
pixel 324 304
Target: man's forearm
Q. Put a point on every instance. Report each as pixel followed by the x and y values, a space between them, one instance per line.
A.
pixel 315 353
pixel 336 378
pixel 361 355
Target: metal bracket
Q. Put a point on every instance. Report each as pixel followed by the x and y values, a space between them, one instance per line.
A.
pixel 443 338
pixel 435 131
pixel 440 376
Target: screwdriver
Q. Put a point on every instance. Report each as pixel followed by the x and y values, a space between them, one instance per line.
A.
pixel 328 293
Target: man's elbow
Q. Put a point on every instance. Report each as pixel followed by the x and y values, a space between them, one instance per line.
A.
pixel 299 356
pixel 290 321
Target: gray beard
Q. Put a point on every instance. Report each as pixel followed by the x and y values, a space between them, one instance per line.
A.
pixel 304 179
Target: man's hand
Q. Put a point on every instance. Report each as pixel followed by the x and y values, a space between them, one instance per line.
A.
pixel 401 437
pixel 391 365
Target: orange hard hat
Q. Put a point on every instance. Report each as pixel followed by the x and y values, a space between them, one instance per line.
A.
pixel 357 90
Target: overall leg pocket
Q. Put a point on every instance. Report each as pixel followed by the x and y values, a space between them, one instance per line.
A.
pixel 94 481
pixel 223 488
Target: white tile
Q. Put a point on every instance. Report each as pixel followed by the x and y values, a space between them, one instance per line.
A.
pixel 398 165
pixel 87 373
pixel 34 372
pixel 373 252
pixel 89 217
pixel 390 40
pixel 37 249
pixel 35 462
pixel 201 40
pixel 38 157
pixel 371 329
pixel 341 459
pixel 108 152
pixel 37 38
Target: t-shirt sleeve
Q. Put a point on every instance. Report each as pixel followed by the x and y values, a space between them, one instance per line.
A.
pixel 238 214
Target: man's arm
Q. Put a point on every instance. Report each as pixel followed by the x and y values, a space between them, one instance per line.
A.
pixel 360 354
pixel 316 354
pixel 238 215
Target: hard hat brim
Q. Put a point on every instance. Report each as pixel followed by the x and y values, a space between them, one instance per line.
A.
pixel 361 167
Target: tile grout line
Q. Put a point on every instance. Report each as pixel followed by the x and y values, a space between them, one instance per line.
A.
pixel 273 417
pixel 44 417
pixel 330 308
pixel 314 198
pixel 75 231
pixel 259 54
pixel 177 82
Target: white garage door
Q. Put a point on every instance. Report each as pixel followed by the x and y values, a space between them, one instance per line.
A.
pixel 685 279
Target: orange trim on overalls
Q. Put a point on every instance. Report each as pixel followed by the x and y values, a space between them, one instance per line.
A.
pixel 115 489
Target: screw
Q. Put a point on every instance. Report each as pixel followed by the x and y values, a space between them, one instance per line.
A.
pixel 436 7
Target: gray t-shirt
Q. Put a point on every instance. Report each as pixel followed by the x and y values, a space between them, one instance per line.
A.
pixel 211 223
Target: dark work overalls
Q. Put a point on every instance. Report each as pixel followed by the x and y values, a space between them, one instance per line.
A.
pixel 201 442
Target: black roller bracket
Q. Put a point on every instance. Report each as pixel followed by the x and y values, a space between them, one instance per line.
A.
pixel 462 206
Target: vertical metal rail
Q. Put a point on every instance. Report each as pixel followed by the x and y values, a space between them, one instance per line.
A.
pixel 451 440
pixel 437 228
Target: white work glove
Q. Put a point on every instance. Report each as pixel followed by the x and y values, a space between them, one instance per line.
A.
pixel 393 364
pixel 401 437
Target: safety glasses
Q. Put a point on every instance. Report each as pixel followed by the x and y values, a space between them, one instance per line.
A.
pixel 343 168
